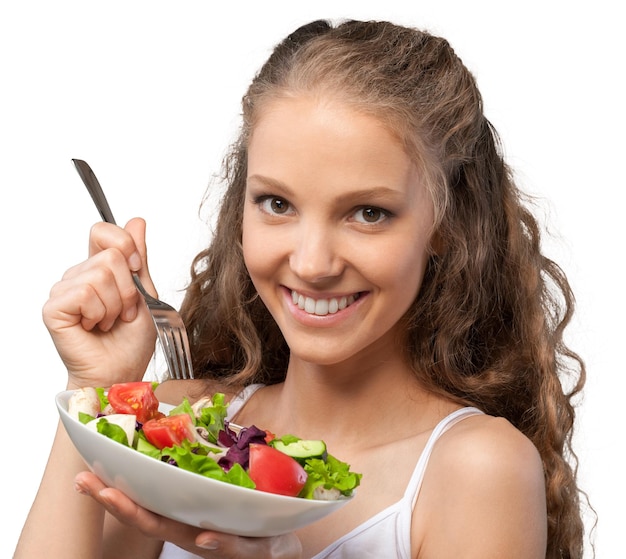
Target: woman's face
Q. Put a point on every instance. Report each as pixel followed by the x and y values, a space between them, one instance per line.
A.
pixel 336 228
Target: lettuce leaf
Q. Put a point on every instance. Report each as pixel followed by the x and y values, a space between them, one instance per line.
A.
pixel 143 446
pixel 112 431
pixel 104 401
pixel 85 418
pixel 183 407
pixel 212 417
pixel 330 474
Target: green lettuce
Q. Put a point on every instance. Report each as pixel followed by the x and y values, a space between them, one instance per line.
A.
pixel 212 417
pixel 85 417
pixel 329 473
pixel 112 431
pixel 104 401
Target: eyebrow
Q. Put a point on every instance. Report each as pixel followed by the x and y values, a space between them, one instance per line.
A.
pixel 366 194
pixel 270 183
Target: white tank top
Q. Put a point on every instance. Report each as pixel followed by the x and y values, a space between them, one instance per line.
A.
pixel 387 533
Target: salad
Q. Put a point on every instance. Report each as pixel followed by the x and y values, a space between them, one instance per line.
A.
pixel 200 439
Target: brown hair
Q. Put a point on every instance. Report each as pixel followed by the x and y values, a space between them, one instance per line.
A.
pixel 487 326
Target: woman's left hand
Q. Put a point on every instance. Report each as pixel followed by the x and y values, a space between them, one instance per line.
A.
pixel 208 544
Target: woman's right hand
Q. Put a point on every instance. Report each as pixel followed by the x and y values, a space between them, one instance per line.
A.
pixel 98 321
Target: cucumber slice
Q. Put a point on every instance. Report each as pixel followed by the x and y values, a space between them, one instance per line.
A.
pixel 302 449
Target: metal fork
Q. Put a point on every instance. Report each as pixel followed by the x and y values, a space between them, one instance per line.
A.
pixel 168 322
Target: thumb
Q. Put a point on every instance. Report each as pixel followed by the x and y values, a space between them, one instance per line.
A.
pixel 136 227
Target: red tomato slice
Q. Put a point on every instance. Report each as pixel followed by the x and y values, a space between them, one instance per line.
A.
pixel 275 472
pixel 165 432
pixel 135 398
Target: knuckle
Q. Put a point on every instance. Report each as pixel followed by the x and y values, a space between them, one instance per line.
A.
pixel 112 257
pixel 55 289
pixel 96 229
pixel 106 235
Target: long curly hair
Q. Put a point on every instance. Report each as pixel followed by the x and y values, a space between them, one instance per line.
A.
pixel 487 326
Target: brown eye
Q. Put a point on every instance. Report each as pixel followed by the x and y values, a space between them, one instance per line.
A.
pixel 278 205
pixel 273 205
pixel 371 215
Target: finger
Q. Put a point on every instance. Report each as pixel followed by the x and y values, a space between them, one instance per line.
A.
pixel 226 546
pixel 106 278
pixel 129 513
pixel 136 228
pixel 125 509
pixel 69 306
pixel 105 236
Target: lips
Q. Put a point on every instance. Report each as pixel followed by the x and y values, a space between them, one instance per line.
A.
pixel 322 307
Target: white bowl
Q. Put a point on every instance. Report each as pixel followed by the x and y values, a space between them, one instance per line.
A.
pixel 186 496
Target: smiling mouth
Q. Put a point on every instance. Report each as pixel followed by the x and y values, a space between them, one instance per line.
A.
pixel 322 307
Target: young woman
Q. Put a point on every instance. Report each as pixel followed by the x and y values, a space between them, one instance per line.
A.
pixel 375 277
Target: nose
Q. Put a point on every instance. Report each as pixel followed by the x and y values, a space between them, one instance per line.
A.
pixel 314 255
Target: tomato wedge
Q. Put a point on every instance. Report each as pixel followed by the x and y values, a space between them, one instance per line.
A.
pixel 168 431
pixel 135 398
pixel 275 472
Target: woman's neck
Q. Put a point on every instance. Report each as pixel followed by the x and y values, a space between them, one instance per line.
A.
pixel 345 402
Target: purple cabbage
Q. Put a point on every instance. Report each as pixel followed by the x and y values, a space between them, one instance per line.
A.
pixel 238 445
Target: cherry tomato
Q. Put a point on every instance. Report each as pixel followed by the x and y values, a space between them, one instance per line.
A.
pixel 168 431
pixel 135 398
pixel 275 472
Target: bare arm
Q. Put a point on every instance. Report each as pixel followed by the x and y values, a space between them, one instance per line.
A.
pixel 51 531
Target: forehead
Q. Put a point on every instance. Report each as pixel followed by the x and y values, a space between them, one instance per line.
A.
pixel 316 135
pixel 321 107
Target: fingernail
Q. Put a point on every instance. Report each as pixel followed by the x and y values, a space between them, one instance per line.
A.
pixel 104 495
pixel 209 544
pixel 134 261
pixel 80 488
pixel 130 313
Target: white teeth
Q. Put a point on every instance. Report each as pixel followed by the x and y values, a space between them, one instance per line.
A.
pixel 309 305
pixel 322 307
pixel 333 306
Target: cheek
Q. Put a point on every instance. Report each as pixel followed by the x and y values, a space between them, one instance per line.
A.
pixel 260 250
pixel 250 247
pixel 401 269
pixel 247 242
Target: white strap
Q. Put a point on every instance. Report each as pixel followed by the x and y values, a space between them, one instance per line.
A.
pixel 420 469
pixel 240 400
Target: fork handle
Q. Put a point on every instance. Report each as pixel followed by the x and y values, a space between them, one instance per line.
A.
pixel 94 188
pixel 97 194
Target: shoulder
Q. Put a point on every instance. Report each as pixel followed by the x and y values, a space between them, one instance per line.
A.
pixel 485 483
pixel 482 446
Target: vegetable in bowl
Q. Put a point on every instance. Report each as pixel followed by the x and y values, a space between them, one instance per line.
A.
pixel 199 438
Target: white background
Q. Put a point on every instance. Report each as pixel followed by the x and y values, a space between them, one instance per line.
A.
pixel 148 93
